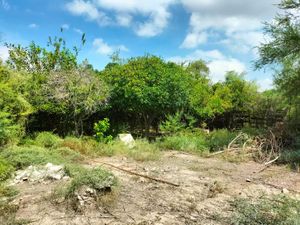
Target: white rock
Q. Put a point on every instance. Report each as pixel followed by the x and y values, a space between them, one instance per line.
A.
pixel 127 139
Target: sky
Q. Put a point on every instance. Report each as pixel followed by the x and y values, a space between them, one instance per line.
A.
pixel 224 33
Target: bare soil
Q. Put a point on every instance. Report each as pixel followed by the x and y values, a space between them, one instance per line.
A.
pixel 206 187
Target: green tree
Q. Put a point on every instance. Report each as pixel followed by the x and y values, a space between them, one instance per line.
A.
pixel 282 50
pixel 147 88
pixel 243 93
pixel 14 108
pixel 77 94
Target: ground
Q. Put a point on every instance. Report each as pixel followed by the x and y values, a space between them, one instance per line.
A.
pixel 206 185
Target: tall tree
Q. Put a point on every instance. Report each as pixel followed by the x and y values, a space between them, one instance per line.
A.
pixel 283 50
pixel 148 88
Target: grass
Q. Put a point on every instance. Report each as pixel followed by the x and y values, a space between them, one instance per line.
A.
pixel 278 210
pixel 291 158
pixel 219 139
pixel 84 146
pixel 23 156
pixel 189 142
pixel 142 150
pixel 5 169
pixel 47 140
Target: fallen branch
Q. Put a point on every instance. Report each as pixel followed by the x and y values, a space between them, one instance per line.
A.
pixel 142 175
pixel 268 164
pixel 236 138
pixel 221 152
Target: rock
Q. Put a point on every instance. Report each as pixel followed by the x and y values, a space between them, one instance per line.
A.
pixel 39 174
pixel 285 191
pixel 127 139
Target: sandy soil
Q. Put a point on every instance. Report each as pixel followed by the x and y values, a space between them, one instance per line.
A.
pixel 206 186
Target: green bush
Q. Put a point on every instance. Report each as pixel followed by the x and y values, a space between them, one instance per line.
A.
pixel 22 157
pixel 172 124
pixel 141 151
pixel 9 132
pixel 219 139
pixel 47 140
pixel 96 178
pixel 190 142
pixel 101 129
pixel 5 169
pixel 290 157
pixel 85 146
pixel 279 210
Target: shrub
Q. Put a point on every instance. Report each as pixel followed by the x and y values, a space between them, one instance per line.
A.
pixel 172 124
pixel 47 140
pixel 85 146
pixel 9 132
pixel 96 178
pixel 22 157
pixel 279 210
pixel 142 150
pixel 190 142
pixel 101 129
pixel 5 169
pixel 290 157
pixel 218 139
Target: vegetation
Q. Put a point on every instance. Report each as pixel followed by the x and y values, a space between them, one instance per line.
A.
pixel 276 210
pixel 54 108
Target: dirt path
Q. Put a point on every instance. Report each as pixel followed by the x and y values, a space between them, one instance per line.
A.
pixel 206 185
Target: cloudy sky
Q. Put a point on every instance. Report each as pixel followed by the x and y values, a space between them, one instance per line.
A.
pixel 222 32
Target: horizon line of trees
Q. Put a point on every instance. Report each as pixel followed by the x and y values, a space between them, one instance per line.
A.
pixel 48 89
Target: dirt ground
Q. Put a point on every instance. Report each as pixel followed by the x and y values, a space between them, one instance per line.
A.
pixel 206 186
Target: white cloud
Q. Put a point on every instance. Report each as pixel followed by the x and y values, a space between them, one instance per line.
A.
pixel 105 49
pixel 4 4
pixel 123 19
pixel 218 63
pixel 155 13
pixel 78 31
pixel 88 10
pixel 238 22
pixel 33 26
pixel 265 84
pixel 65 26
pixel 4 54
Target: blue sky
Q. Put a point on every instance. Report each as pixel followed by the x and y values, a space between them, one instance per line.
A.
pixel 221 32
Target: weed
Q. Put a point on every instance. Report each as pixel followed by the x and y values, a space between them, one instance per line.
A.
pixel 214 189
pixel 22 157
pixel 47 140
pixel 190 142
pixel 278 210
pixel 85 146
pixel 218 139
pixel 5 169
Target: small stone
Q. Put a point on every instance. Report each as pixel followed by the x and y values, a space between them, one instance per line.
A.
pixel 285 191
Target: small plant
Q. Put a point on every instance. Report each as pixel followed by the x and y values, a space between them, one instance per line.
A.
pixel 189 142
pixel 22 157
pixel 218 139
pixel 101 128
pixel 47 140
pixel 172 124
pixel 279 210
pixel 85 146
pixel 97 178
pixel 5 169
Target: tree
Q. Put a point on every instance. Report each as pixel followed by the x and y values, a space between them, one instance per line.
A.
pixel 243 93
pixel 147 88
pixel 283 49
pixel 14 108
pixel 77 94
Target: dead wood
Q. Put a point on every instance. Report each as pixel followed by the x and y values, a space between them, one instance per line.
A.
pixel 142 175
